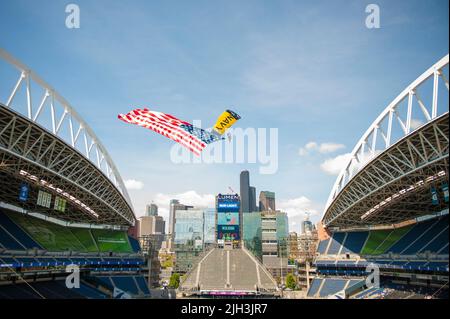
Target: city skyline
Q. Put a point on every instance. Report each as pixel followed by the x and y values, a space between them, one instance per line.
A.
pixel 266 69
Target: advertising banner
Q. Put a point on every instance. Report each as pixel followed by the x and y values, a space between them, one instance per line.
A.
pixel 227 206
pixel 228 232
pixel 228 218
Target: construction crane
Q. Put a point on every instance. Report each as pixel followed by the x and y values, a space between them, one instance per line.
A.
pixel 229 187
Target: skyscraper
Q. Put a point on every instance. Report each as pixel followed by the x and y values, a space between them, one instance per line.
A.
pixel 151 210
pixel 252 199
pixel 266 201
pixel 307 226
pixel 245 191
pixel 174 206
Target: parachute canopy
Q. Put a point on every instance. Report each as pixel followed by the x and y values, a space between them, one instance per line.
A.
pixel 225 121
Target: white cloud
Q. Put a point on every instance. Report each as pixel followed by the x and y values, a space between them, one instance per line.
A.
pixel 333 166
pixel 296 210
pixel 132 184
pixel 330 147
pixel 322 148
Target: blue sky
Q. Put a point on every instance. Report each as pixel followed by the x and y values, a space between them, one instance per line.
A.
pixel 309 68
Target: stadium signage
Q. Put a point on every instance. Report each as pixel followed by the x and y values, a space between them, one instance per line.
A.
pixel 60 204
pixel 44 199
pixel 233 197
pixel 24 190
pixel 231 218
pixel 228 206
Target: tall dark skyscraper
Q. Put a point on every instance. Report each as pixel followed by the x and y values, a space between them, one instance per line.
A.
pixel 252 196
pixel 245 191
pixel 248 194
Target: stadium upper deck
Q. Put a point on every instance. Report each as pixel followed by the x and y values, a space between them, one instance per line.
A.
pixel 51 161
pixel 399 169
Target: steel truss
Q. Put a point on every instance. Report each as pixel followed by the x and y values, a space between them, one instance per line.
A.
pixel 382 162
pixel 61 116
pixel 26 149
pixel 395 186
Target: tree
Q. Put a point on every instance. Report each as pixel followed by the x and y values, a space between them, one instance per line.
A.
pixel 174 281
pixel 291 283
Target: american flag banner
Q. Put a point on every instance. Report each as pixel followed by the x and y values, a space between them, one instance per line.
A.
pixel 193 138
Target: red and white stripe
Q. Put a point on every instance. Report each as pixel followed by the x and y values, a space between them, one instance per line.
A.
pixel 164 124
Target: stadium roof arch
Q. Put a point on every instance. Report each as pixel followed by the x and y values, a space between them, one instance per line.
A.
pixel 51 147
pixel 402 155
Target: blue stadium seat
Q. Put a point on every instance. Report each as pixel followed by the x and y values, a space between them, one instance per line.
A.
pixel 105 281
pixel 354 242
pixel 437 243
pixel 125 283
pixel 336 243
pixel 18 234
pixel 134 244
pixel 332 286
pixel 90 293
pixel 437 266
pixel 27 262
pixel 415 232
pixel 425 238
pixel 6 262
pixel 142 283
pixel 8 242
pixel 323 246
pixel 314 288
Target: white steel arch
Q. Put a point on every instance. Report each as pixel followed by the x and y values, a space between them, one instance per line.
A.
pixel 78 128
pixel 368 148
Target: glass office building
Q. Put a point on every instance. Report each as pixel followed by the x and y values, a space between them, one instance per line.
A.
pixel 252 233
pixel 210 226
pixel 189 238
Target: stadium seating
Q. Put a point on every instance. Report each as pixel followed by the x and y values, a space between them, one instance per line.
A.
pixel 332 286
pixel 85 238
pixel 324 287
pixel 375 239
pixel 314 288
pixel 133 285
pixel 51 236
pixel 134 244
pixel 17 238
pixel 323 245
pixel 415 239
pixel 336 243
pixel 109 240
pixel 89 292
pixel 142 284
pixel 38 290
pixel 126 283
pixel 429 235
pixel 354 242
pixel 8 242
pixel 31 232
